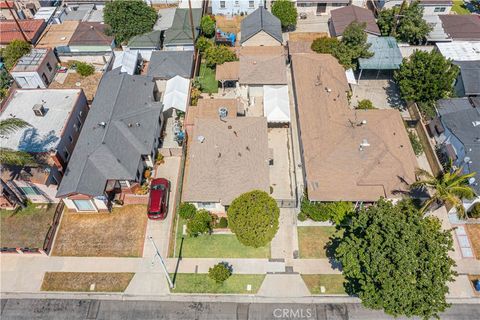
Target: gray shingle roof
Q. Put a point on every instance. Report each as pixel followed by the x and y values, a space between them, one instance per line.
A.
pixel 113 152
pixel 459 116
pixel 146 40
pixel 181 32
pixel 261 20
pixel 168 64
pixel 470 74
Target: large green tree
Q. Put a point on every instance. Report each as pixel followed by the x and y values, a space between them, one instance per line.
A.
pixel 449 188
pixel 8 156
pixel 14 51
pixel 425 78
pixel 218 54
pixel 207 24
pixel 128 18
pixel 200 223
pixel 406 23
pixel 394 260
pixel 253 217
pixel 286 12
pixel 5 83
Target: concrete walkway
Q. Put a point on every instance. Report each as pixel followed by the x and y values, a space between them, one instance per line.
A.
pixel 283 285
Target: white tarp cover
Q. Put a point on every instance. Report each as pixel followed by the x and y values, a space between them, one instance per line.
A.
pixel 276 103
pixel 350 76
pixel 460 50
pixel 176 94
pixel 127 60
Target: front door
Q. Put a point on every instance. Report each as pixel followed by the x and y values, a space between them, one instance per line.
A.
pixel 321 8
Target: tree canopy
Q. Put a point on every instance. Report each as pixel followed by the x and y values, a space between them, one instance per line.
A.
pixel 14 51
pixel 425 78
pixel 220 272
pixel 396 261
pixel 353 45
pixel 207 24
pixel 406 23
pixel 200 223
pixel 218 54
pixel 287 13
pixel 128 18
pixel 253 217
pixel 8 156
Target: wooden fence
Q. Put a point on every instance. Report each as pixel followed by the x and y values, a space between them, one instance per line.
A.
pixel 48 243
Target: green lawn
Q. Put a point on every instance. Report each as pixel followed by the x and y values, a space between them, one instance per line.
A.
pixel 207 79
pixel 201 283
pixel 27 227
pixel 312 241
pixel 333 283
pixel 459 8
pixel 216 246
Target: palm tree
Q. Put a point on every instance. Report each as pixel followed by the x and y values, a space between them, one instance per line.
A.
pixel 8 156
pixel 447 188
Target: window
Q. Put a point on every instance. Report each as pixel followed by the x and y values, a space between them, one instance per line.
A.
pixel 49 66
pixel 66 154
pixel 251 4
pixel 206 205
pixel 84 205
pixel 45 79
pixel 439 9
pixel 70 139
pixel 222 4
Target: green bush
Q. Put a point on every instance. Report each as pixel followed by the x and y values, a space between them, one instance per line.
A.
pixel 223 223
pixel 286 12
pixel 475 211
pixel 326 211
pixel 83 68
pixel 207 25
pixel 14 51
pixel 365 104
pixel 302 216
pixel 416 144
pixel 203 44
pixel 325 45
pixel 200 223
pixel 187 210
pixel 220 272
pixel 218 54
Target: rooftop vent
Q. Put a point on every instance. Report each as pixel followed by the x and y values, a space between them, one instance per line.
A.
pixel 201 139
pixel 476 123
pixel 471 181
pixel 222 112
pixel 102 124
pixel 364 144
pixel 39 110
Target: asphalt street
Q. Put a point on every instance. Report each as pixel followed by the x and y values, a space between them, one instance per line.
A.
pixel 58 309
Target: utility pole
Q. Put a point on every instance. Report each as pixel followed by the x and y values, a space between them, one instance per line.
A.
pixel 162 263
pixel 16 21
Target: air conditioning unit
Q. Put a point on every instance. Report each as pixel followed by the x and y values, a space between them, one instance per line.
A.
pixel 39 110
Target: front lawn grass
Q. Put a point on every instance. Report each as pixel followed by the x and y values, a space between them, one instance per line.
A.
pixel 120 233
pixel 312 241
pixel 27 227
pixel 81 281
pixel 207 80
pixel 459 7
pixel 201 283
pixel 473 231
pixel 216 246
pixel 333 283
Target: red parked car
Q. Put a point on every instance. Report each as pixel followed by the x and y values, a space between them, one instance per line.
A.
pixel 158 202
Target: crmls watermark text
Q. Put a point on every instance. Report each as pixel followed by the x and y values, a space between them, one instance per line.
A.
pixel 293 313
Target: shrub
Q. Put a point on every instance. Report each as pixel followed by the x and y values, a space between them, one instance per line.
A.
pixel 207 25
pixel 416 144
pixel 220 272
pixel 14 51
pixel 200 223
pixel 325 45
pixel 286 12
pixel 253 217
pixel 365 104
pixel 195 94
pixel 223 223
pixel 159 160
pixel 187 210
pixel 203 44
pixel 85 69
pixel 147 174
pixel 302 216
pixel 475 211
pixel 218 54
pixel 326 211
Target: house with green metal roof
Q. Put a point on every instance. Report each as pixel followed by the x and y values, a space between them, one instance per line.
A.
pixel 179 36
pixel 146 43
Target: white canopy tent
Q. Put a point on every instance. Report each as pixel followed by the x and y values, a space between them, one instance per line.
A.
pixel 176 94
pixel 276 104
pixel 127 60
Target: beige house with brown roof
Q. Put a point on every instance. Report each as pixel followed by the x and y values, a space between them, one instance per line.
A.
pixel 226 157
pixel 351 155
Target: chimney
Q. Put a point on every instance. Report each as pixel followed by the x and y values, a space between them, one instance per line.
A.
pixel 39 110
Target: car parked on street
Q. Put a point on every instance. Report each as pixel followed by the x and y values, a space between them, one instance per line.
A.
pixel 158 201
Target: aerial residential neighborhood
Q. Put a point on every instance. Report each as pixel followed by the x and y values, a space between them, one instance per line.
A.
pixel 207 159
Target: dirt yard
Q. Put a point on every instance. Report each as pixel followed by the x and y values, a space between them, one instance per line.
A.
pixel 117 234
pixel 82 281
pixel 88 84
pixel 231 24
pixel 473 231
pixel 26 228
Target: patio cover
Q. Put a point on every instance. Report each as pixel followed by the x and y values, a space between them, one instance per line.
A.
pixel 176 94
pixel 276 104
pixel 127 60
pixel 387 55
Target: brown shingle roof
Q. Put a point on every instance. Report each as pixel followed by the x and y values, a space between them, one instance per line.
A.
pixel 461 27
pixel 342 17
pixel 227 71
pixel 262 65
pixel 90 34
pixel 231 160
pixel 336 166
pixel 57 35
